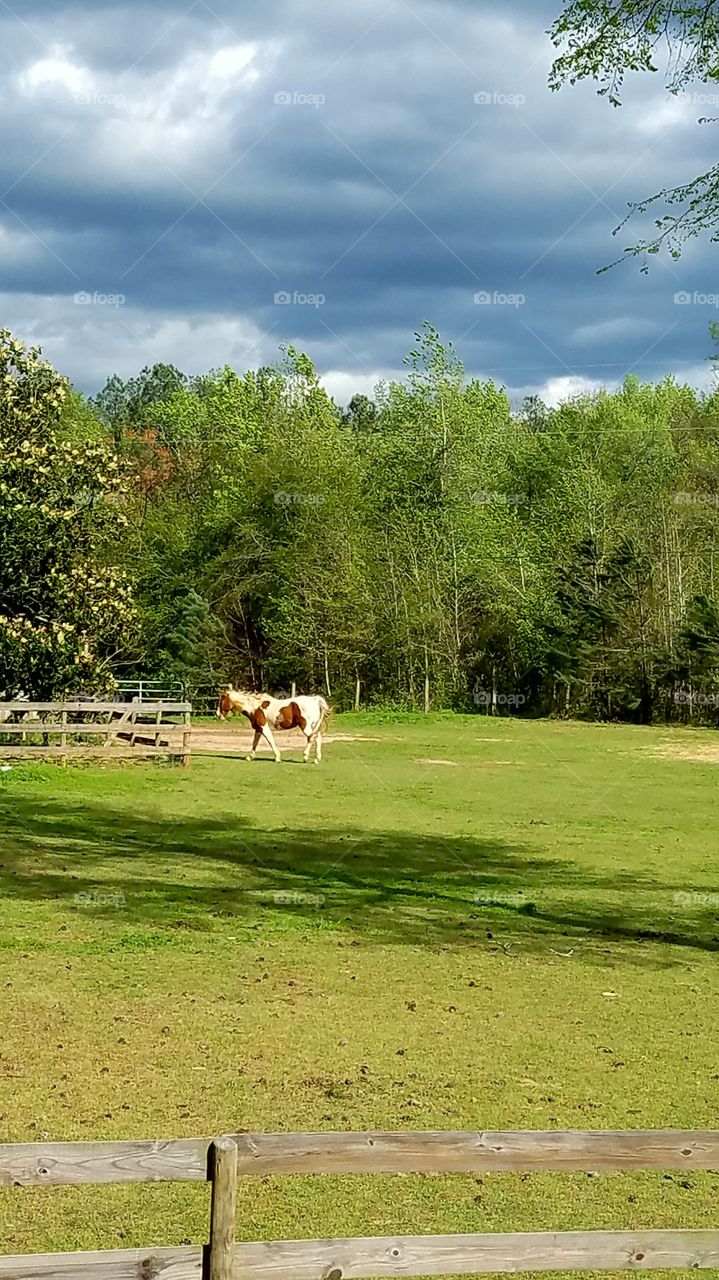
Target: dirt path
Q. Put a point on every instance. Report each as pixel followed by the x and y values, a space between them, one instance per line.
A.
pixel 226 741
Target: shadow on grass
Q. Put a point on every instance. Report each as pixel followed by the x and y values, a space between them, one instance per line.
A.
pixel 395 887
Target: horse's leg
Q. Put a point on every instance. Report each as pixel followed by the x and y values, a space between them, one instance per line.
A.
pixel 255 741
pixel 271 742
pixel 306 752
pixel 314 739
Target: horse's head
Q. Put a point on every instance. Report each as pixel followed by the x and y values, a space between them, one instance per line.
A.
pixel 225 704
pixel 236 700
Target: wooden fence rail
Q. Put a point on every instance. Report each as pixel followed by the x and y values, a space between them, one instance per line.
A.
pixel 116 730
pixel 222 1160
pixel 519 1151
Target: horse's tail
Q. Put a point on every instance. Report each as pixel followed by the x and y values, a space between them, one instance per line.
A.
pixel 325 709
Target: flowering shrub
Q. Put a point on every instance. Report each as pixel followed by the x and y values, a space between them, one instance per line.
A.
pixel 64 608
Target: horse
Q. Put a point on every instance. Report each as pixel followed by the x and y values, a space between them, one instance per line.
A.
pixel 266 713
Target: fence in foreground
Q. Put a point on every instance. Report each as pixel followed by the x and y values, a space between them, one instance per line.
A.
pixel 224 1159
pixel 108 730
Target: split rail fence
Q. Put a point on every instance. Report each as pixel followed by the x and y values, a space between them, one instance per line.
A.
pixel 225 1159
pixel 108 730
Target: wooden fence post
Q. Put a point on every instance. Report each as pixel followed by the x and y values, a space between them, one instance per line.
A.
pixel 63 737
pixel 222 1210
pixel 186 740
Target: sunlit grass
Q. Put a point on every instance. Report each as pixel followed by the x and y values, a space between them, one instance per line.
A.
pixel 525 935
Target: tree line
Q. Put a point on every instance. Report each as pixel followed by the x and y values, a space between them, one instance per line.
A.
pixel 428 546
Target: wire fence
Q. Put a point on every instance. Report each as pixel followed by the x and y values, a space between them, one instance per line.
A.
pixel 151 690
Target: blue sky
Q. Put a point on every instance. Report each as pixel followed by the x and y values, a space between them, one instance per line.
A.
pixel 200 183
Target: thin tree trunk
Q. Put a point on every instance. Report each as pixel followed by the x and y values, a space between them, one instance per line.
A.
pixel 668 637
pixel 444 448
pixel 250 655
pixel 457 640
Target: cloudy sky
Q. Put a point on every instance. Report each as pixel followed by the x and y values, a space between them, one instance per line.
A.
pixel 199 184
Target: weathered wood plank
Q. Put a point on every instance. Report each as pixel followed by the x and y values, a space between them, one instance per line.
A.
pixel 78 751
pixel 474 1254
pixel 380 1256
pixel 185 1159
pixel 71 1163
pixel 182 1263
pixel 39 726
pixel 142 739
pixel 175 708
pixel 126 715
pixel 523 1151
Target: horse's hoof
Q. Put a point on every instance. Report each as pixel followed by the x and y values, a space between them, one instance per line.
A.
pixel 249 757
pixel 278 759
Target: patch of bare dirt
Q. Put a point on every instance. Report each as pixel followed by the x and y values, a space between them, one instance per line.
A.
pixel 481 764
pixel 348 737
pixel 700 752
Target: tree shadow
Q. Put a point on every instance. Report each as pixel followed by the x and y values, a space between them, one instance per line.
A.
pixel 383 886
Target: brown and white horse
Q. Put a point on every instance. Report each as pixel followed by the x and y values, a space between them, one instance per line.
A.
pixel 266 713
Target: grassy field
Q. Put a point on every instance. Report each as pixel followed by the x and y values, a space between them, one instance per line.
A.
pixel 456 922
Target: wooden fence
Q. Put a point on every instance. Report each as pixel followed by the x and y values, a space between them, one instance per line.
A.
pixel 223 1160
pixel 109 730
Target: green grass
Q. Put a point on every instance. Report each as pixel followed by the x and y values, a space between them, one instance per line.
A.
pixel 491 943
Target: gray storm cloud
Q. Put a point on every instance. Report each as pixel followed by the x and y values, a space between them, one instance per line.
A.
pixel 221 172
